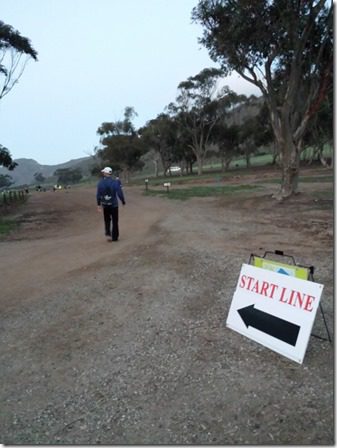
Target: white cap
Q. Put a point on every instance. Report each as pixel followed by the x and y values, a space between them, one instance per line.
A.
pixel 107 170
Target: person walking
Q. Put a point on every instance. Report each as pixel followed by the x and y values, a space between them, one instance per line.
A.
pixel 107 195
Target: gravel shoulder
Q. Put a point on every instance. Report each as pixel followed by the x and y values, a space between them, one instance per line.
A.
pixel 126 343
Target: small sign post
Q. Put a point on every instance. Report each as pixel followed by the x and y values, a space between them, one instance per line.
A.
pixel 167 185
pixel 274 309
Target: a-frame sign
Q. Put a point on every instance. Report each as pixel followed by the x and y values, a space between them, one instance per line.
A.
pixel 274 309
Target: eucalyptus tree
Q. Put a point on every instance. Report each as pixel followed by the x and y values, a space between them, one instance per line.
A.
pixel 15 51
pixel 320 134
pixel 169 139
pixel 242 130
pixel 159 134
pixel 226 138
pixel 263 133
pixel 5 180
pixel 285 48
pixel 121 145
pixel 248 139
pixel 183 153
pixel 66 175
pixel 199 106
pixel 6 159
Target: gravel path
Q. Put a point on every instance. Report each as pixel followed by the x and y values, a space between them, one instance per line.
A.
pixel 126 343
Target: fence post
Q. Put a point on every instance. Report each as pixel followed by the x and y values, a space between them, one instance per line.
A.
pixel 4 198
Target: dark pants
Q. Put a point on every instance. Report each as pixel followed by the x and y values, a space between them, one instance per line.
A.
pixel 111 216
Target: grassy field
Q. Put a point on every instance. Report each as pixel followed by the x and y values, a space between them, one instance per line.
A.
pixel 211 183
pixel 7 225
pixel 201 191
pixel 303 179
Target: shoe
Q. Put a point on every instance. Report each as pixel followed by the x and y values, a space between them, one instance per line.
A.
pixel 107 234
pixel 115 239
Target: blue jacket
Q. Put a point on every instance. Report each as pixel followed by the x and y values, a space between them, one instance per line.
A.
pixel 107 192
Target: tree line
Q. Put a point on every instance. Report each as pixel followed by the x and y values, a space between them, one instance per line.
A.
pixel 283 47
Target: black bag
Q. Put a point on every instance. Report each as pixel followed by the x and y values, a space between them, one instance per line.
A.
pixel 106 199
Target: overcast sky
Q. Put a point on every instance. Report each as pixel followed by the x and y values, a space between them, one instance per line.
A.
pixel 95 57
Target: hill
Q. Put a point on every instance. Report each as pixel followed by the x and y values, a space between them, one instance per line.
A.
pixel 23 174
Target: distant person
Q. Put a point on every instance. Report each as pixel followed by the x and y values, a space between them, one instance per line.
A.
pixel 118 180
pixel 108 193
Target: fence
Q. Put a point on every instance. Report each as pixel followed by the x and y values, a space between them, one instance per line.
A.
pixel 12 196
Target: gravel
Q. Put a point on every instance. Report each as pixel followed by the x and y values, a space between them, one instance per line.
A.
pixel 138 352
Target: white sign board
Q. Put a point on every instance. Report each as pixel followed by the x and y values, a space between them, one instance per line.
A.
pixel 276 310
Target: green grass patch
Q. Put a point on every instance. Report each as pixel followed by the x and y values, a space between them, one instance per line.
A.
pixel 302 179
pixel 327 195
pixel 7 226
pixel 184 194
pixel 314 179
pixel 208 176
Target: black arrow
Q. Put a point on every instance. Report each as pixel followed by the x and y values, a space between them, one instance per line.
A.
pixel 269 324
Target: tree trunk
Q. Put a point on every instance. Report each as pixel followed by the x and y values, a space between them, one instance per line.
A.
pixel 200 164
pixel 227 163
pixel 288 151
pixel 326 162
pixel 247 160
pixel 125 175
pixel 290 166
pixel 156 173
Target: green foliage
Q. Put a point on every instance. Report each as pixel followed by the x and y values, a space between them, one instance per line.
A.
pixel 12 47
pixel 170 140
pixel 320 133
pixel 68 175
pixel 11 38
pixel 7 226
pixel 285 48
pixel 264 35
pixel 199 108
pixel 6 159
pixel 5 180
pixel 39 177
pixel 122 147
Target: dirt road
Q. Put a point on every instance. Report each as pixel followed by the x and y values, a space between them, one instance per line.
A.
pixel 126 343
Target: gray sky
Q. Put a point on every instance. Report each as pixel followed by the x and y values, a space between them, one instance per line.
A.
pixel 95 58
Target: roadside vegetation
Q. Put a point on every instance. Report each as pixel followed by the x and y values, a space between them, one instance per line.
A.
pixel 7 225
pixel 201 191
pixel 288 56
pixel 209 128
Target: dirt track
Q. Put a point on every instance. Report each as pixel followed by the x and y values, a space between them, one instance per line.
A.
pixel 126 343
